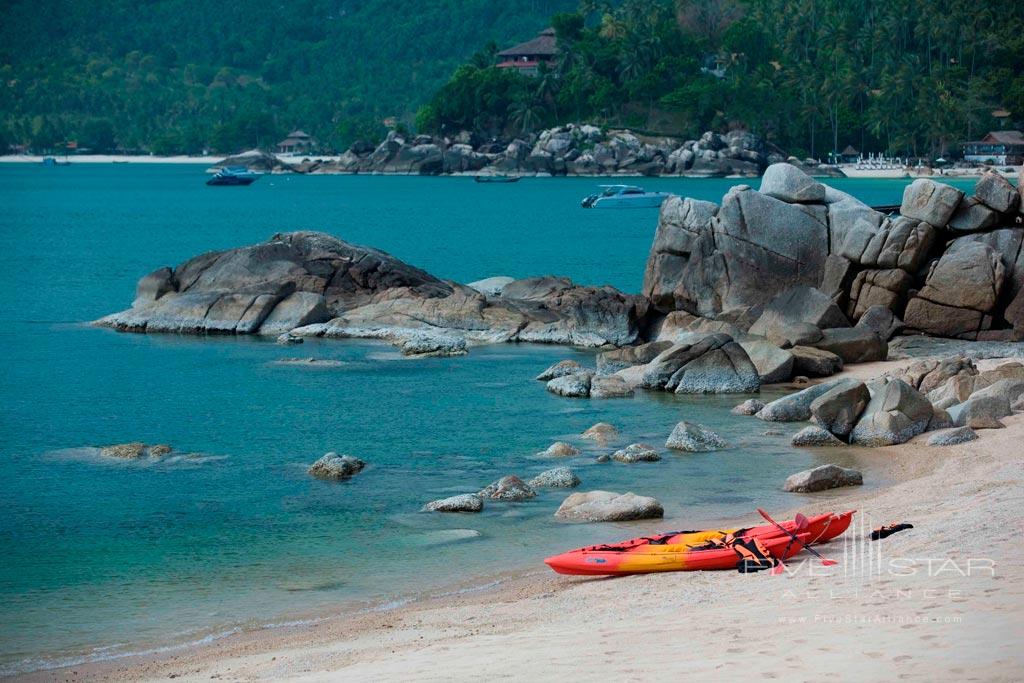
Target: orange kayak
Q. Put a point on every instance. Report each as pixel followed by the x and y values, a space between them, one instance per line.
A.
pixel 677 551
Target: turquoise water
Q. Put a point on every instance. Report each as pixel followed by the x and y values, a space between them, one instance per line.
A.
pixel 103 557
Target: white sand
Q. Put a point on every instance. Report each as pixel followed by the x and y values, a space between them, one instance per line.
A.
pixel 951 608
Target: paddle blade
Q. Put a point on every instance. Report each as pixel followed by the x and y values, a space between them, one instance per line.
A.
pixel 829 563
pixel 777 569
pixel 801 521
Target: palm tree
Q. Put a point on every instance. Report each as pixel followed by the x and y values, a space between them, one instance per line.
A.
pixel 526 114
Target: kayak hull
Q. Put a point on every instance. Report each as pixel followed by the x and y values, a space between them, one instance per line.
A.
pixel 675 558
pixel 675 551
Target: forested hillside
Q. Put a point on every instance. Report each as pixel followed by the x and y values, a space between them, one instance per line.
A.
pixel 181 75
pixel 903 76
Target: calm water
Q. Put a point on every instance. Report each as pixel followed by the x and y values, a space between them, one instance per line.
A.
pixel 103 557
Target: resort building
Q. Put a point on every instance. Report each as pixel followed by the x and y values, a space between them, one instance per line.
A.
pixel 297 142
pixel 527 57
pixel 1001 147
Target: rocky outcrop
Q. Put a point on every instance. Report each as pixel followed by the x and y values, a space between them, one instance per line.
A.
pixel 822 478
pixel 772 363
pixel 134 449
pixel 334 466
pixel 694 438
pixel 805 251
pixel 606 506
pixel 314 284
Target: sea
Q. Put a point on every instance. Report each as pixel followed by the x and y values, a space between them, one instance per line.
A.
pixel 100 558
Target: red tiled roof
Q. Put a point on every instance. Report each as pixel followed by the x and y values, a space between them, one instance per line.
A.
pixel 543 45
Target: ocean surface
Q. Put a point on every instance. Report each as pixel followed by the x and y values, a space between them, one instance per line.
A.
pixel 102 557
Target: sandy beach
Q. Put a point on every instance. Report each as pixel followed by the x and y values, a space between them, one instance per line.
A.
pixel 940 601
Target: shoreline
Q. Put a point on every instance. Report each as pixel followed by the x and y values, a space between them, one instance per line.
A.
pixel 468 624
pixel 849 170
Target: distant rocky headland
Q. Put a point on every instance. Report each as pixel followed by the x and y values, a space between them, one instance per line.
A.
pixel 580 150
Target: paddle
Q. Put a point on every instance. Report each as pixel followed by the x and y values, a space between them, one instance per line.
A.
pixel 825 561
pixel 780 566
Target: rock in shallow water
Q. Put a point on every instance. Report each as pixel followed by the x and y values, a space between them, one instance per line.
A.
pixel 813 436
pixel 334 466
pixel 694 438
pixel 822 478
pixel 135 449
pixel 749 407
pixel 556 478
pixel 560 369
pixel 611 386
pixel 560 449
pixel 636 452
pixel 795 407
pixel 509 487
pixel 606 506
pixel 572 386
pixel 952 437
pixel 602 432
pixel 465 502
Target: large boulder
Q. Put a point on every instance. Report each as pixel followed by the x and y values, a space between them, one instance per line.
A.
pixel 929 201
pixel 790 184
pixel 853 344
pixel 610 386
pixel 992 401
pixel 802 304
pixel 707 259
pixel 702 364
pixel 695 438
pixel 796 407
pixel 973 215
pixel 812 362
pixel 960 292
pixel 773 364
pixel 607 506
pixel 896 413
pixel 896 242
pixel 838 408
pixel 617 359
pixel 880 320
pixel 560 369
pixel 822 478
pixel 886 288
pixel 997 192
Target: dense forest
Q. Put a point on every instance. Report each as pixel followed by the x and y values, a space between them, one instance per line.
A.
pixel 187 75
pixel 902 76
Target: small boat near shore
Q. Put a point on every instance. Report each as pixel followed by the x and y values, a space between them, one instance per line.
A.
pixel 233 175
pixel 496 179
pixel 624 197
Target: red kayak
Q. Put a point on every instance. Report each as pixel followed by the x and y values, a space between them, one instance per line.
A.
pixel 681 551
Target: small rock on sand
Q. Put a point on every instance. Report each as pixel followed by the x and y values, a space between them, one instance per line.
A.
pixel 952 437
pixel 814 436
pixel 822 478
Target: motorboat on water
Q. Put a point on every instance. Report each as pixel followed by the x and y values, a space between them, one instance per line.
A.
pixel 234 175
pixel 624 197
pixel 496 179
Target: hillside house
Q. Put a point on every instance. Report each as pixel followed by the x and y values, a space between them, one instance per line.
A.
pixel 527 57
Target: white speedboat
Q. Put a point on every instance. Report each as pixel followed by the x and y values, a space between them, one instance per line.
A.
pixel 624 197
